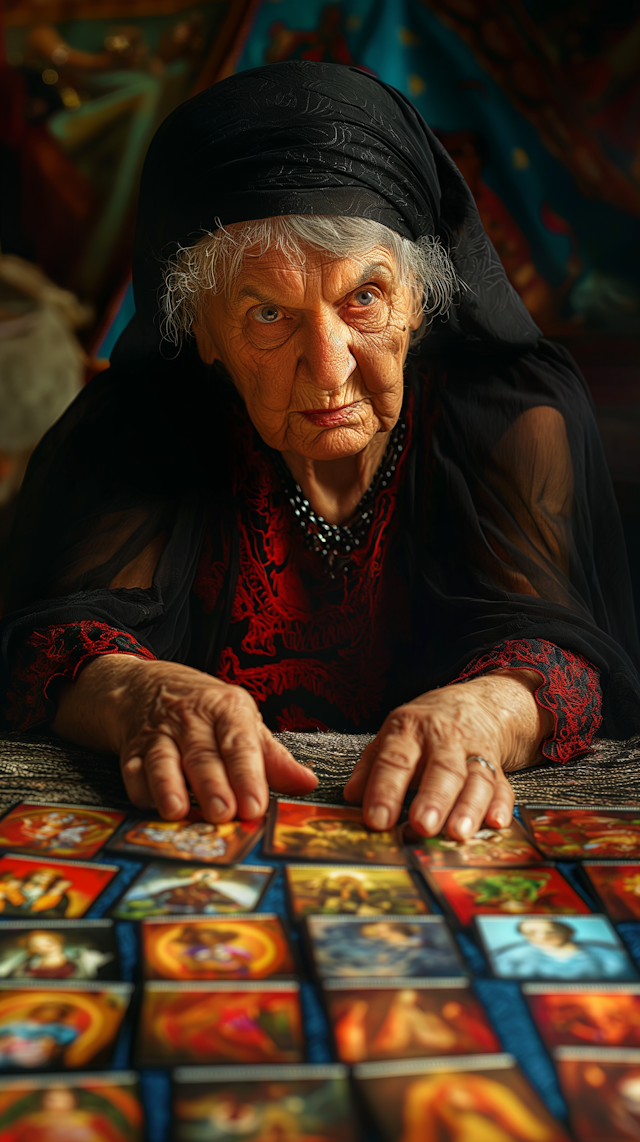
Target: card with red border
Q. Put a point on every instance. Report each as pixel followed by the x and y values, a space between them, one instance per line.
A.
pixel 191 839
pixel 225 947
pixel 469 892
pixel 44 888
pixel 585 1014
pixel 406 1019
pixel 49 829
pixel 577 832
pixel 312 830
pixel 83 1108
pixel 249 1022
pixel 488 848
pixel 617 886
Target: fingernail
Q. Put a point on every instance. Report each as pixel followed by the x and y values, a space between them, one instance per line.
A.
pixel 379 817
pixel 253 807
pixel 218 807
pixel 465 826
pixel 171 804
pixel 133 766
pixel 500 820
pixel 430 820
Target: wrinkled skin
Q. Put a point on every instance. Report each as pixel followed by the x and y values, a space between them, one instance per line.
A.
pixel 318 357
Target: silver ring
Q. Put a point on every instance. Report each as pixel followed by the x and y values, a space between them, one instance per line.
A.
pixel 483 762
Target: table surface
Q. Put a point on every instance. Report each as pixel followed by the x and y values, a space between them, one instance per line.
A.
pixel 37 765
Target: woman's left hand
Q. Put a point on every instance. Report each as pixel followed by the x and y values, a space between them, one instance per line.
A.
pixel 426 743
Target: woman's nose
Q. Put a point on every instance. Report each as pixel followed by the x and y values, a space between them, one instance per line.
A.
pixel 326 356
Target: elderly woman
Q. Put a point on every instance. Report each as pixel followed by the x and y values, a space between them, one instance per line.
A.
pixel 276 511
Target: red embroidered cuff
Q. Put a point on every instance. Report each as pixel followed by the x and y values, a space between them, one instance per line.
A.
pixel 570 689
pixel 56 653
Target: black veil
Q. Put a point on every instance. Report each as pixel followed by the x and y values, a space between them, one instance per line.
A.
pixel 509 520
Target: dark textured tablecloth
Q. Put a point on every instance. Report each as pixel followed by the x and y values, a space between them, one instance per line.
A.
pixel 34 765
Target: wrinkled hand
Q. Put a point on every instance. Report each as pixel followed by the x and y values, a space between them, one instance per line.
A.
pixel 426 743
pixel 175 727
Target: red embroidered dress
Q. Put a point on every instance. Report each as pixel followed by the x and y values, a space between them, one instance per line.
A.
pixel 312 650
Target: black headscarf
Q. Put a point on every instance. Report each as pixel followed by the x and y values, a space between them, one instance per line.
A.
pixel 509 524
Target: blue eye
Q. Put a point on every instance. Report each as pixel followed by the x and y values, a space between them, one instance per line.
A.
pixel 364 297
pixel 267 314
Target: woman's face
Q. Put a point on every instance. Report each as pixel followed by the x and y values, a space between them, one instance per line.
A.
pixel 316 353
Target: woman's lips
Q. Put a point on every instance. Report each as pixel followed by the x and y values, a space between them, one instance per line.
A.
pixel 330 417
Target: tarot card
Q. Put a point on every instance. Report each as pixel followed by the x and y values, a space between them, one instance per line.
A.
pixel 352 890
pixel 49 829
pixel 183 1023
pixel 193 890
pixel 305 1103
pixel 42 888
pixel 602 1090
pixel 41 950
pixel 585 1014
pixel 60 1026
pixel 235 947
pixel 469 892
pixel 575 832
pixel 192 839
pixel 391 1020
pixel 617 887
pixel 84 1107
pixel 488 848
pixel 305 830
pixel 470 1097
pixel 351 947
pixel 555 948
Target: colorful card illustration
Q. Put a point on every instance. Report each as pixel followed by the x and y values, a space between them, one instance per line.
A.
pixel 617 886
pixel 191 839
pixel 585 1015
pixel 186 1023
pixel 469 892
pixel 44 888
pixel 60 1026
pixel 233 947
pixel 381 1021
pixel 305 1103
pixel 539 947
pixel 193 890
pixel 42 827
pixel 348 947
pixel 602 1092
pixel 469 1098
pixel 353 891
pixel 572 832
pixel 41 950
pixel 304 830
pixel 76 1108
pixel 488 848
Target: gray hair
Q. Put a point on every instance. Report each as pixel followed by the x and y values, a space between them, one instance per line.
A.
pixel 214 262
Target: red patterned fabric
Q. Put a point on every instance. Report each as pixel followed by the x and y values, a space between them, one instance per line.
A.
pixel 569 688
pixel 296 635
pixel 56 654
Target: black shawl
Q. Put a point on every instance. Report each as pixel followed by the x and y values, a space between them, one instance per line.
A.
pixel 509 523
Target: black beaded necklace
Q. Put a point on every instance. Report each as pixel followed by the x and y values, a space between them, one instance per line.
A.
pixel 336 543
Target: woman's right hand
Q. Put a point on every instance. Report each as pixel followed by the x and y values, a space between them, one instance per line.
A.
pixel 176 728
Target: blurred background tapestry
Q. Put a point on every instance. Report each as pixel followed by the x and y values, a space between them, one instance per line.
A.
pixel 537 101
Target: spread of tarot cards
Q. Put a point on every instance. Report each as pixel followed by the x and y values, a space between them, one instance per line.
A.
pixel 305 977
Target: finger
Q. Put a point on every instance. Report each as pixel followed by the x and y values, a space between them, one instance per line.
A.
pixel 238 733
pixel 469 811
pixel 500 811
pixel 206 772
pixel 164 776
pixel 284 773
pixel 398 755
pixel 355 787
pixel 444 776
pixel 135 783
